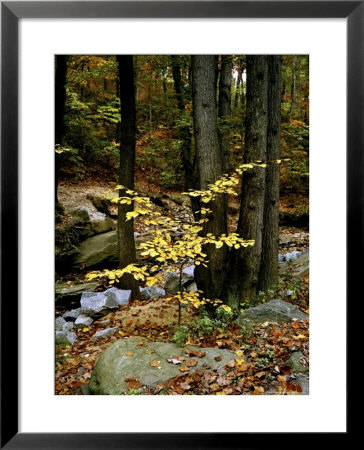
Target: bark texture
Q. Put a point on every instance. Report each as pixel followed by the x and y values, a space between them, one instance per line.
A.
pixel 126 241
pixel 188 159
pixel 60 101
pixel 246 261
pixel 210 280
pixel 224 106
pixel 268 275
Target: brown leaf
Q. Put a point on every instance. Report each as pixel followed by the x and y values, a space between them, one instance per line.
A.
pixel 134 385
pixel 260 374
pixel 191 363
pixel 184 369
pixel 155 363
pixel 76 362
pixel 185 386
pixel 129 354
pixel 218 358
pixel 150 351
pixel 130 379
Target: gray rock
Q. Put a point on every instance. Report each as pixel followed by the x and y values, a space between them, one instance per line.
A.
pixel 192 287
pixel 303 381
pixel 108 376
pixel 172 283
pixel 66 293
pixel 65 337
pixel 274 311
pixel 98 303
pixel 105 333
pixel 59 323
pixel 67 326
pixel 100 222
pixel 99 251
pixel 121 296
pixel 72 315
pixel 292 256
pixel 83 321
pixel 152 292
pixel 71 337
pixel 295 362
pixel 85 389
pixel 188 274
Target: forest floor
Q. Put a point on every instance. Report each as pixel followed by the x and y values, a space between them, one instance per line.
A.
pixel 264 351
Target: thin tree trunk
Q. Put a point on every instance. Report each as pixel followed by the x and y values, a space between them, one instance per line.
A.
pixel 127 254
pixel 60 101
pixel 188 160
pixel 237 87
pixel 245 262
pixel 293 86
pixel 211 279
pixel 268 274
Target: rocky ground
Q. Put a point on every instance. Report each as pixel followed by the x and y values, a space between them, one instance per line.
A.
pixel 269 358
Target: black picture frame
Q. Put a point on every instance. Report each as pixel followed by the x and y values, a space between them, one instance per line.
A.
pixel 11 12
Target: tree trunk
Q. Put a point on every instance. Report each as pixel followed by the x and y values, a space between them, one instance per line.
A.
pixel 126 241
pixel 188 160
pixel 224 106
pixel 239 82
pixel 268 274
pixel 245 262
pixel 293 86
pixel 60 100
pixel 211 279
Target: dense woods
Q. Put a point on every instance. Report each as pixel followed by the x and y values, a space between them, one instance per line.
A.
pixel 182 193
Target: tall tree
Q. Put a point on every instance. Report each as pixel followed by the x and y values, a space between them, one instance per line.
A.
pixel 60 101
pixel 245 262
pixel 210 280
pixel 127 254
pixel 268 274
pixel 224 106
pixel 188 159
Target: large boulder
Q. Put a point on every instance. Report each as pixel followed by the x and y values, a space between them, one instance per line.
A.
pixel 96 251
pixel 100 251
pixel 126 358
pixel 274 311
pixel 100 222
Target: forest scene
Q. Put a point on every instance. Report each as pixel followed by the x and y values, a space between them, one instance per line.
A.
pixel 182 225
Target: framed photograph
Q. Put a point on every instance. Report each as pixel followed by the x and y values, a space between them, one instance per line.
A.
pixel 70 53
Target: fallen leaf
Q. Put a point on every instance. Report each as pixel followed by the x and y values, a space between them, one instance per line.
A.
pixel 130 379
pixel 191 363
pixel 155 363
pixel 218 358
pixel 150 351
pixel 129 354
pixel 134 385
pixel 185 386
pixel 239 353
pixel 184 369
